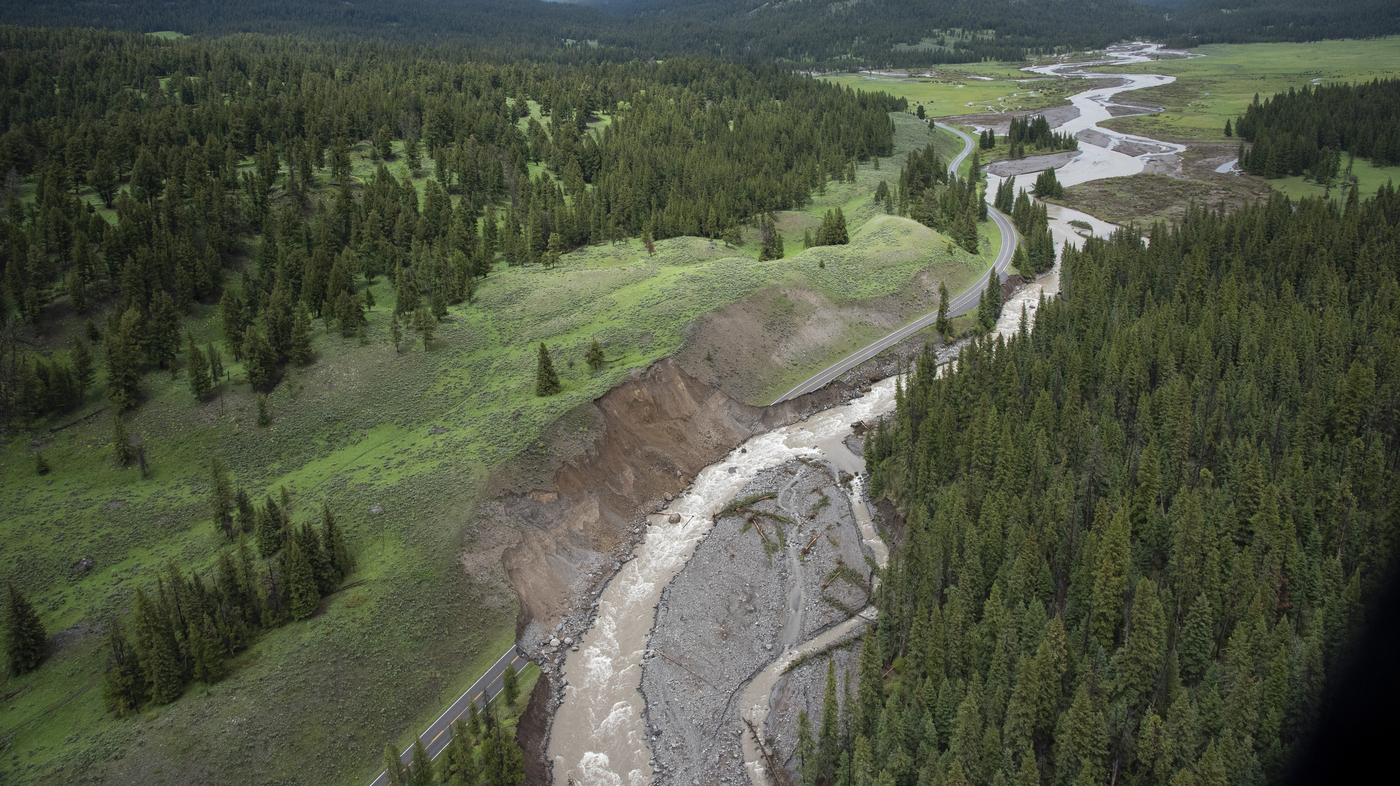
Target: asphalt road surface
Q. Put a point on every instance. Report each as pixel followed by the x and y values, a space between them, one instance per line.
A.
pixel 437 736
pixel 957 306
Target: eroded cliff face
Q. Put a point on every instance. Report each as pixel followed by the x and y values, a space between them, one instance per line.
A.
pixel 657 431
pixel 654 433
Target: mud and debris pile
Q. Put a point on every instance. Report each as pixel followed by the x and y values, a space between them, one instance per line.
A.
pixel 783 562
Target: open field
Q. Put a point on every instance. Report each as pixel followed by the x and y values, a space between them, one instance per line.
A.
pixel 401 445
pixel 1212 89
pixel 970 88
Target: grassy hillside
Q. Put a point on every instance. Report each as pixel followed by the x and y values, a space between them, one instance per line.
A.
pixel 400 444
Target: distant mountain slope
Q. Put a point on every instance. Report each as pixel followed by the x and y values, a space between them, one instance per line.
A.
pixel 1211 21
pixel 813 33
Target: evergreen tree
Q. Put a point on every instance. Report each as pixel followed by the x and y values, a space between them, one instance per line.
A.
pixel 546 381
pixel 595 358
pixel 83 373
pixel 395 331
pixel 159 652
pixel 502 763
pixel 216 364
pixel 393 769
pixel 220 497
pixel 264 419
pixel 829 738
pixel 807 762
pixel 123 684
pixel 420 771
pixel 26 641
pixel 1110 580
pixel 941 323
pixel 1197 643
pixel 302 592
pixel 1140 659
pixel 989 307
pixel 333 543
pixel 121 443
pixel 459 757
pixel 510 686
pixel 424 323
pixel 200 383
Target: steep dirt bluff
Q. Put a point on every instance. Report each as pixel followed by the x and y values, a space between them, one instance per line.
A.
pixel 580 512
pixel 654 433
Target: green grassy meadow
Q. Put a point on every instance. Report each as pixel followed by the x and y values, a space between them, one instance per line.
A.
pixel 969 88
pixel 1217 87
pixel 401 445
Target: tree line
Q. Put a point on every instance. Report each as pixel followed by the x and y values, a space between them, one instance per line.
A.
pixel 230 168
pixel 186 628
pixel 1305 131
pixel 1139 534
pixel 1032 131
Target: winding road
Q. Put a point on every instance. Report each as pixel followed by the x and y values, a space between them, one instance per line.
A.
pixel 963 303
pixel 485 689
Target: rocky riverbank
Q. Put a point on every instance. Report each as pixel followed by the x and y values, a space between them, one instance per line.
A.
pixel 784 563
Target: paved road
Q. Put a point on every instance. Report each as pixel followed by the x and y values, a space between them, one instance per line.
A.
pixel 437 736
pixel 957 306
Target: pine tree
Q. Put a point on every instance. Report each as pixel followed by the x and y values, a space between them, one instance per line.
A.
pixel 333 542
pixel 424 323
pixel 268 530
pixel 546 380
pixel 829 738
pixel 502 763
pixel 123 684
pixel 1140 659
pixel 460 757
pixel 220 497
pixel 121 443
pixel 395 330
pixel 204 649
pixel 26 641
pixel 1083 740
pixel 160 654
pixel 806 750
pixel 510 686
pixel 216 364
pixel 989 307
pixel 1197 642
pixel 871 693
pixel 420 771
pixel 595 358
pixel 264 419
pixel 300 581
pixel 83 373
pixel 199 372
pixel 1111 579
pixel 393 769
pixel 941 323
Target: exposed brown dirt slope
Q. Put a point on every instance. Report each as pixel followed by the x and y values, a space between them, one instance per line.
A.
pixel 580 511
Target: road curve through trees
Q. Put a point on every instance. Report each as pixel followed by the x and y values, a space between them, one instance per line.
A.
pixel 963 303
pixel 485 689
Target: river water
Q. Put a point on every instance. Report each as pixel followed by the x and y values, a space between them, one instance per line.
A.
pixel 599 736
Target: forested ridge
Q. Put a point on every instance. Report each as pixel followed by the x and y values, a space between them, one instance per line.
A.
pixel 1307 130
pixel 872 33
pixel 1140 533
pixel 229 166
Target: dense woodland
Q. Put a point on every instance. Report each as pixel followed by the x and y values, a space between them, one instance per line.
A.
pixel 876 33
pixel 1139 535
pixel 229 167
pixel 1306 131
